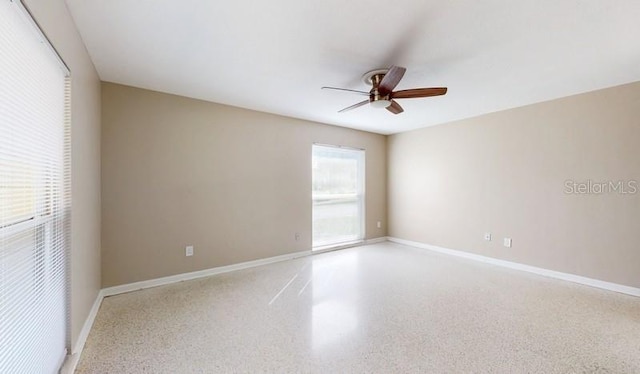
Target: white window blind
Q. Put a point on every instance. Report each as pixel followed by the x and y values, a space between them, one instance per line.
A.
pixel 34 197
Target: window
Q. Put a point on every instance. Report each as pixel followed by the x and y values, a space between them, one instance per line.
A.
pixel 34 196
pixel 338 195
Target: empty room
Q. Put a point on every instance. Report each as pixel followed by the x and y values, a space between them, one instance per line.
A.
pixel 319 187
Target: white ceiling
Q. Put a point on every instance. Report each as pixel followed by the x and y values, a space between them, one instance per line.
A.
pixel 274 56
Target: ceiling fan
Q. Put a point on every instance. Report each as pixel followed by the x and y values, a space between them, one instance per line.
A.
pixel 381 95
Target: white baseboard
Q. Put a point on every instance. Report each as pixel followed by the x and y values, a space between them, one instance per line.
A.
pixel 110 291
pixel 88 323
pixel 71 360
pixel 351 244
pixel 381 239
pixel 522 267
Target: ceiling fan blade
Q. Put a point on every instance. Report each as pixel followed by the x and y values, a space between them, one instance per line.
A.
pixel 419 92
pixel 395 108
pixel 346 89
pixel 391 80
pixel 354 106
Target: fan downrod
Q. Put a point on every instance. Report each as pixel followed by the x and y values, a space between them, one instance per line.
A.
pixel 367 78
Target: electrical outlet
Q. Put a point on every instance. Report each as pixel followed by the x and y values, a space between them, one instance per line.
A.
pixel 188 251
pixel 507 242
pixel 297 236
pixel 379 224
pixel 487 236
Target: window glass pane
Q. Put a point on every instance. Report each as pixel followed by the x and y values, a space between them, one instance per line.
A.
pixel 337 195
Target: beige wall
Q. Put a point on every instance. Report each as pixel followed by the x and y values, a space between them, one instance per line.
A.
pixel 234 183
pixel 56 22
pixel 505 173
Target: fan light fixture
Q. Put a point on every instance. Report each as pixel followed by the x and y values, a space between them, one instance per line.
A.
pixel 380 104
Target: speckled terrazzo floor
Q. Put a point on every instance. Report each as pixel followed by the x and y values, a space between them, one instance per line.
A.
pixel 383 308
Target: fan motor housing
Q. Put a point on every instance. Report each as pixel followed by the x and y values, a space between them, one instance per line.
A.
pixel 373 78
pixel 367 78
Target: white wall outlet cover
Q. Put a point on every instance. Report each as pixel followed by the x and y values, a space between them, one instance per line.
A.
pixel 188 250
pixel 379 224
pixel 507 242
